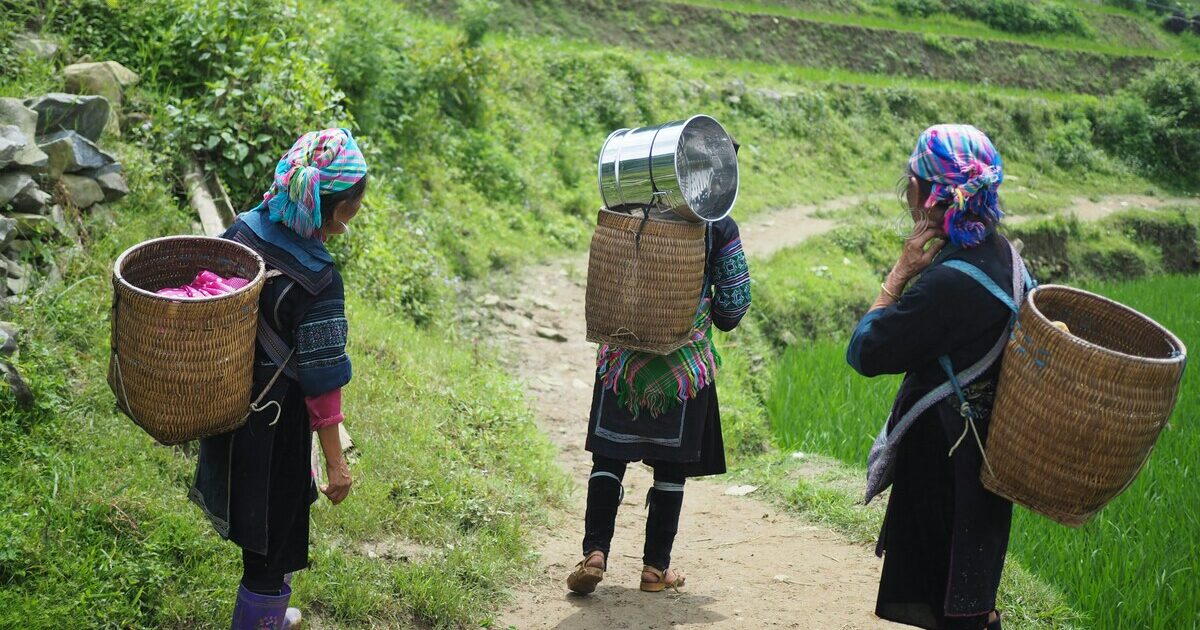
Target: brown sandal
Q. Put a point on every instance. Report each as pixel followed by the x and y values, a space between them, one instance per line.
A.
pixel 661 584
pixel 583 579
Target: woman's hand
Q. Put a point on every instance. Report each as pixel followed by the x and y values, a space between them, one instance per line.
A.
pixel 918 253
pixel 338 474
pixel 336 470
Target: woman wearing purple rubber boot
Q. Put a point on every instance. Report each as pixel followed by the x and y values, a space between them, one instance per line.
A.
pixel 256 484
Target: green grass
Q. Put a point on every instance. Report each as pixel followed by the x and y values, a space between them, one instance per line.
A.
pixel 451 478
pixel 1128 567
pixel 942 24
pixel 783 75
pixel 1131 567
pixel 838 42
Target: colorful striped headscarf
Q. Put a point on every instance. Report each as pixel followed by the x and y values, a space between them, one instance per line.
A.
pixel 966 172
pixel 326 161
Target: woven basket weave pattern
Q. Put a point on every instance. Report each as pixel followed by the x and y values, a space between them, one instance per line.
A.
pixel 1077 415
pixel 644 295
pixel 182 369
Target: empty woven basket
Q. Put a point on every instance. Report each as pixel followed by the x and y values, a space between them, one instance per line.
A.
pixel 1077 414
pixel 642 292
pixel 182 369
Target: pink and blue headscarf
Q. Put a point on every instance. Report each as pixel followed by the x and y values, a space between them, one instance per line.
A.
pixel 966 171
pixel 320 162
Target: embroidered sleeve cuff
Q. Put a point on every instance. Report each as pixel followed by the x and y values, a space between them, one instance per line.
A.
pixel 324 410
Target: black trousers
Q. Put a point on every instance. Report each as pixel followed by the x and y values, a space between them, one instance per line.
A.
pixel 258 577
pixel 664 499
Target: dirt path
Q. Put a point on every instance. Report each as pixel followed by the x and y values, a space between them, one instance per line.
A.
pixel 750 564
pixel 765 234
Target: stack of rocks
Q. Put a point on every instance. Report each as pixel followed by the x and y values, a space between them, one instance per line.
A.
pixel 51 168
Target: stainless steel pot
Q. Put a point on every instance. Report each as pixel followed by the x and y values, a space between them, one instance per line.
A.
pixel 689 166
pixel 607 169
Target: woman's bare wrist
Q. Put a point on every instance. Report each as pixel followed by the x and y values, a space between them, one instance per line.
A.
pixel 895 282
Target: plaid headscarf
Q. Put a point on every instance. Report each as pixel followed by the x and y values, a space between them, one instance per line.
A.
pixel 326 161
pixel 966 172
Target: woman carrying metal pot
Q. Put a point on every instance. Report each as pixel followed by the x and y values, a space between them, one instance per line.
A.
pixel 944 536
pixel 256 484
pixel 661 410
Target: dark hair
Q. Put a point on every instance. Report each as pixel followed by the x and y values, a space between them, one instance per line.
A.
pixel 353 193
pixel 923 185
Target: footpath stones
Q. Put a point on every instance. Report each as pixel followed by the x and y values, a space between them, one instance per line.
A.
pixel 13 112
pixel 85 115
pixel 8 340
pixel 70 152
pixel 12 141
pixel 82 191
pixel 31 44
pixel 31 199
pixel 105 78
pixel 53 174
pixel 111 181
pixel 8 230
pixel 12 184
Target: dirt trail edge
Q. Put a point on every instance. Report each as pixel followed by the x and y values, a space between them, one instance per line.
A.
pixel 749 564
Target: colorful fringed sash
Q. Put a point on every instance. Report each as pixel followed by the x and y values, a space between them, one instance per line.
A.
pixel 658 383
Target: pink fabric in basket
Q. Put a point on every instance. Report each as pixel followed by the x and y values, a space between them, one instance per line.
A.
pixel 206 284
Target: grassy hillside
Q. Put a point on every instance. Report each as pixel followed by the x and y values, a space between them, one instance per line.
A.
pixel 482 137
pixel 934 47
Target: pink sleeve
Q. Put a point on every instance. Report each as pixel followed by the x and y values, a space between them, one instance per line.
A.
pixel 324 410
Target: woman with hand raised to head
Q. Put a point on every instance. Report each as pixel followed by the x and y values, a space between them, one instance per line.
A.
pixel 942 319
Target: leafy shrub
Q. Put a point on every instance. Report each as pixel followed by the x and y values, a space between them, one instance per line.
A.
pixel 246 76
pixel 815 290
pixel 8 27
pixel 1016 16
pixel 919 8
pixel 393 264
pixel 1046 245
pixel 598 92
pixel 1155 123
pixel 476 17
pixel 1070 144
pixel 1172 233
pixel 1111 256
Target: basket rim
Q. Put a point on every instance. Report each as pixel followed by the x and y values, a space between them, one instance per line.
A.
pixel 1170 336
pixel 119 265
pixel 669 221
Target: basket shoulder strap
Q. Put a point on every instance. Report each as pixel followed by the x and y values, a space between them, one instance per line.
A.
pixel 281 353
pixel 977 274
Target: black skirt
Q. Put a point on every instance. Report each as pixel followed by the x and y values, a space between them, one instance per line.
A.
pixel 255 484
pixel 686 439
pixel 944 536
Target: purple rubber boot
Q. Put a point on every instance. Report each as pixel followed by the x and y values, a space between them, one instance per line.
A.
pixel 261 612
pixel 292 619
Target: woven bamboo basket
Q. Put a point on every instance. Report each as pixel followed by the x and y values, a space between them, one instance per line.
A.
pixel 1077 414
pixel 182 369
pixel 642 292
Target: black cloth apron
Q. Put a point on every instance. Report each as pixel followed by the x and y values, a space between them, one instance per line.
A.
pixel 685 440
pixel 255 484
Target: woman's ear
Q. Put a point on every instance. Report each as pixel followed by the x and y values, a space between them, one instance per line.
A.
pixel 914 194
